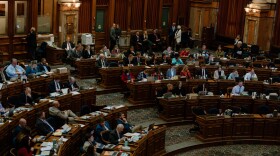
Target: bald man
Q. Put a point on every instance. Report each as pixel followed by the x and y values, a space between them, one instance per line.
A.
pixel 22 124
pixel 26 98
pixel 71 84
pixel 14 71
pixel 65 115
pixel 102 62
pixel 116 135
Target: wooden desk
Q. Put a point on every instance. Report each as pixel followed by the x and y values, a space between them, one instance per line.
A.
pixel 111 77
pixel 86 68
pixel 252 126
pixel 54 55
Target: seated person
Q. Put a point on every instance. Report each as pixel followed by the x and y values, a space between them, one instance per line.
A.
pixel 102 62
pixel 14 71
pixel 203 72
pixel 87 52
pixel 165 59
pixel 156 40
pixel 185 52
pixel 128 61
pixel 32 69
pixel 185 72
pixel 219 73
pixel 71 84
pixel 238 50
pixel 43 66
pixel 25 98
pixel 234 74
pixel 180 90
pixel 251 75
pixel 22 124
pixel 219 52
pixel 75 54
pixel 238 89
pixel 168 52
pixel 68 45
pixel 130 51
pixel 116 51
pixel 152 61
pixel 24 147
pixel 55 85
pixel 136 41
pixel 127 127
pixel 66 115
pixel 142 75
pixel 116 135
pixel 205 53
pixel 158 75
pixel 177 60
pixel 171 72
pixel 138 60
pixel 190 60
pixel 89 143
pixel 105 51
pixel 42 124
pixel 102 127
pixel 127 76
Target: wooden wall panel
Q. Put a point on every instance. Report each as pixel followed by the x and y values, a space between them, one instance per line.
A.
pixel 276 36
pixel 137 13
pixel 121 8
pixel 153 10
pixel 84 17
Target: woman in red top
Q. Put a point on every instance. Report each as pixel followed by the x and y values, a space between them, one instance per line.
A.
pixel 127 76
pixel 24 148
pixel 185 52
pixel 185 72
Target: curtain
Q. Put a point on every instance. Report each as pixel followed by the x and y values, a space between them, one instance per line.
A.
pixel 184 12
pixel 276 37
pixel 231 17
pixel 121 13
pixel 153 14
pixel 85 17
pixel 137 13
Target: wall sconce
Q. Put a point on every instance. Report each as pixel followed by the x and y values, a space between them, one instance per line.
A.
pixel 71 4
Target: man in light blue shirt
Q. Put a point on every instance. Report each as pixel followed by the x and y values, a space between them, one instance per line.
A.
pixel 238 89
pixel 233 75
pixel 171 72
pixel 14 71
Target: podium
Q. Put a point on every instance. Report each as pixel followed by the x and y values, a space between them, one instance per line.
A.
pixel 111 77
pixel 86 68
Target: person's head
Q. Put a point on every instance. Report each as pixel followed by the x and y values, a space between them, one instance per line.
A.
pixel 138 54
pixel 145 71
pixel 173 24
pixel 101 121
pixel 116 47
pixel 239 44
pixel 89 137
pixel 235 72
pixel 203 47
pixel 87 47
pixel 219 68
pixel 155 31
pixel 145 32
pixel 252 71
pixel 72 80
pixel 22 122
pixel 185 68
pixel 23 141
pixel 169 86
pixel 176 55
pixel 240 83
pixel 14 62
pixel 102 56
pixel 121 115
pixel 137 33
pixel 130 56
pixel 104 47
pixel 117 26
pixel 169 48
pixel 42 115
pixel 56 104
pixel 131 48
pixel 238 36
pixel 219 47
pixel 164 56
pixel 68 39
pixel 27 90
pixel 114 25
pixel 178 27
pixel 32 29
pixel 44 61
pixel 33 65
pixel 120 128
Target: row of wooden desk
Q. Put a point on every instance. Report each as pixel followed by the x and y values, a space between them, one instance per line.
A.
pixel 180 108
pixel 252 126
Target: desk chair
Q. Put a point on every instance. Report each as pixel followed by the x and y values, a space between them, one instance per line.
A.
pixel 105 136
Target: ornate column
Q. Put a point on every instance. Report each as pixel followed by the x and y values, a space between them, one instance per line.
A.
pixel 68 19
pixel 259 23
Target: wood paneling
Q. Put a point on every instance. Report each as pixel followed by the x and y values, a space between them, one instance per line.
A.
pixel 84 14
pixel 137 13
pixel 121 8
pixel 153 11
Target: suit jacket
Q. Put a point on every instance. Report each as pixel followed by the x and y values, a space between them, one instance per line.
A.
pixel 31 39
pixel 75 54
pixel 114 137
pixel 126 54
pixel 126 125
pixel 86 55
pixel 135 61
pixel 199 72
pixel 42 69
pixel 43 128
pixel 134 41
pixel 64 45
pixel 23 99
pixel 171 32
pixel 52 87
pixel 99 129
pixel 113 34
pixel 153 38
pixel 141 76
pixel 216 74
pixel 126 61
pixel 169 73
pixel 99 63
pixel 68 85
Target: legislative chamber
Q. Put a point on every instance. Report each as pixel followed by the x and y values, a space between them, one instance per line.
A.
pixel 139 77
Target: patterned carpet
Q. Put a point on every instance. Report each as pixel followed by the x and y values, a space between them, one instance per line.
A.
pixel 178 134
pixel 236 150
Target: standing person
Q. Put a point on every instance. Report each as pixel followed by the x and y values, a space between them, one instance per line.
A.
pixel 113 36
pixel 177 37
pixel 118 32
pixel 31 42
pixel 171 34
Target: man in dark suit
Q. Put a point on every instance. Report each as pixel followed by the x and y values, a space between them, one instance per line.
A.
pixel 43 66
pixel 87 52
pixel 55 85
pixel 202 72
pixel 171 35
pixel 156 39
pixel 22 124
pixel 42 124
pixel 101 127
pixel 68 45
pixel 102 62
pixel 71 84
pixel 136 41
pixel 138 60
pixel 113 37
pixel 130 51
pixel 128 61
pixel 25 98
pixel 31 42
pixel 116 135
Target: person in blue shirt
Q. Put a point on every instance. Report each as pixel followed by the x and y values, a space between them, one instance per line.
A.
pixel 100 128
pixel 238 89
pixel 13 71
pixel 32 69
pixel 142 75
pixel 171 72
pixel 43 66
pixel 177 60
pixel 233 75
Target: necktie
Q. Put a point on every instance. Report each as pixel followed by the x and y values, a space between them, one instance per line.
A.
pixel 102 61
pixel 239 90
pixel 16 69
pixel 46 69
pixel 46 122
pixel 203 73
pixel 68 46
pixel 57 86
